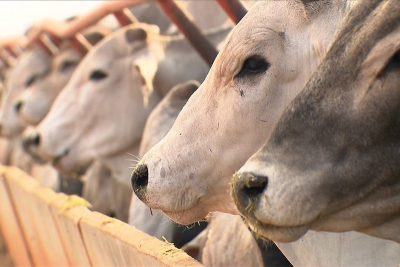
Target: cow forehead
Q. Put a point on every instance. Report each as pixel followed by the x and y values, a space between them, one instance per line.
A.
pixel 31 60
pixel 266 20
pixel 34 62
pixel 68 53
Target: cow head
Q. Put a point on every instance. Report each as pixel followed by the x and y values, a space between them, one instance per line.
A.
pixel 103 108
pixel 36 100
pixel 30 68
pixel 264 63
pixel 332 163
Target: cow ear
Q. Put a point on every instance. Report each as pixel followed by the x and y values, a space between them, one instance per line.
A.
pixel 135 34
pixel 146 65
pixel 140 32
pixel 95 34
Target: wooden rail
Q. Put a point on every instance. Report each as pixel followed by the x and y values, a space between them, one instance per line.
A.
pixel 44 228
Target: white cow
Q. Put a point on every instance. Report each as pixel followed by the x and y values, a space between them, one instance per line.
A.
pixel 226 241
pixel 264 64
pixel 35 101
pixel 30 67
pixel 335 149
pixel 101 113
pixel 33 83
pixel 157 125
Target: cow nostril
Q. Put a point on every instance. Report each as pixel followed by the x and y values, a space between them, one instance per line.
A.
pixel 140 179
pixel 248 188
pixel 36 140
pixel 18 106
pixel 254 185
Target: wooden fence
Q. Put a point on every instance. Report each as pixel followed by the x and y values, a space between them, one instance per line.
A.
pixel 44 228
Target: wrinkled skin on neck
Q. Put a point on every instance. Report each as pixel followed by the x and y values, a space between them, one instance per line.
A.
pixel 37 99
pixel 230 116
pixel 29 69
pixel 333 161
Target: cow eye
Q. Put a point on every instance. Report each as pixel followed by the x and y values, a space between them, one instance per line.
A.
pixel 252 66
pixel 66 65
pixel 98 75
pixel 31 81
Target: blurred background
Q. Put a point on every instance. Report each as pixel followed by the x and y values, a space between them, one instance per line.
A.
pixel 18 16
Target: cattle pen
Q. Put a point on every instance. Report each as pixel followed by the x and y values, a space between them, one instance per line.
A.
pixel 45 228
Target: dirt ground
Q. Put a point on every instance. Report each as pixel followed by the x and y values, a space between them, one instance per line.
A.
pixel 5 260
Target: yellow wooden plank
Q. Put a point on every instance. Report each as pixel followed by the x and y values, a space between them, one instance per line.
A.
pixel 110 242
pixel 61 231
pixel 11 229
pixel 48 230
pixel 32 202
pixel 67 211
pixel 21 188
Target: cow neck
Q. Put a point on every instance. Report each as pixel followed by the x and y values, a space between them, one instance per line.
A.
pixel 120 164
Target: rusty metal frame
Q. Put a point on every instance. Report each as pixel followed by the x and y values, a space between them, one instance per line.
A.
pixel 192 33
pixel 234 9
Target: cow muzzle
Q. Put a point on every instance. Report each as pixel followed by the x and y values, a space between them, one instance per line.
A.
pixel 30 143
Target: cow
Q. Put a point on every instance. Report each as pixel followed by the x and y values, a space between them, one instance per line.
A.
pixel 332 163
pixel 211 138
pixel 210 246
pixel 100 114
pixel 157 125
pixel 35 101
pixel 29 68
pixel 264 64
pixel 133 60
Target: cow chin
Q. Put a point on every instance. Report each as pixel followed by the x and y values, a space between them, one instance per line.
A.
pixel 187 216
pixel 277 233
pixel 70 165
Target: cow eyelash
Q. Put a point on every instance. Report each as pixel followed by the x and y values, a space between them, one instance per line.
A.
pixel 98 75
pixel 253 65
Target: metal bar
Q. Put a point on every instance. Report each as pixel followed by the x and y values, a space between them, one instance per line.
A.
pixel 234 9
pixel 203 46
